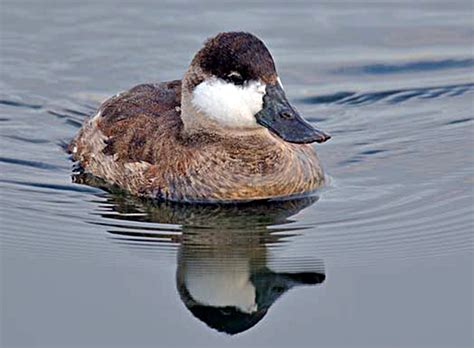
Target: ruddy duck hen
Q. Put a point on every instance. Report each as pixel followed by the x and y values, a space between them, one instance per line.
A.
pixel 224 133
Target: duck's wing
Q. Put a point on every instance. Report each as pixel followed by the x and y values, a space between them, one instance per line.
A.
pixel 156 100
pixel 134 123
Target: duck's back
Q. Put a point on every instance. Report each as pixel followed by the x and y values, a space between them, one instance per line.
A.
pixel 131 120
pixel 130 133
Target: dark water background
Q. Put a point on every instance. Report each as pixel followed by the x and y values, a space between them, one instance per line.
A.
pixel 393 82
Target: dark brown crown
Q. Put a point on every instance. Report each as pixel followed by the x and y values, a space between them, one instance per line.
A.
pixel 237 52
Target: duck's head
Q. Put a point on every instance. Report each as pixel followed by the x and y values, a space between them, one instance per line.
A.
pixel 232 85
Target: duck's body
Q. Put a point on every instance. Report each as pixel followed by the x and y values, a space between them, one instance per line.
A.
pixel 157 140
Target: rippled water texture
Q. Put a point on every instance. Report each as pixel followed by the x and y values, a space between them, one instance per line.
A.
pixel 383 257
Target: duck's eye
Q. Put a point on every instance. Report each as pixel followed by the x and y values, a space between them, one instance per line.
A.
pixel 236 78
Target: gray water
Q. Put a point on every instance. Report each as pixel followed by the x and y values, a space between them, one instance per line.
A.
pixel 382 257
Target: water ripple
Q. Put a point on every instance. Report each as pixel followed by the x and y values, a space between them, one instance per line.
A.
pixel 53 187
pixel 395 96
pixel 409 67
pixel 20 104
pixel 33 164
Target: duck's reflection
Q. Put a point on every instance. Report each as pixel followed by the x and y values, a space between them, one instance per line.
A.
pixel 225 279
pixel 229 272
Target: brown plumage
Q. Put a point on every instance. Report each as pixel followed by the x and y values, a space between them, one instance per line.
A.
pixel 153 142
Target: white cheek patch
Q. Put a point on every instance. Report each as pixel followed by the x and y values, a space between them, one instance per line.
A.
pixel 229 286
pixel 228 104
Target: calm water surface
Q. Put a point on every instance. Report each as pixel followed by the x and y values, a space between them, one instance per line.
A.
pixel 383 257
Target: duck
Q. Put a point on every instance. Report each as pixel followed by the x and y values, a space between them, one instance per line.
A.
pixel 225 132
